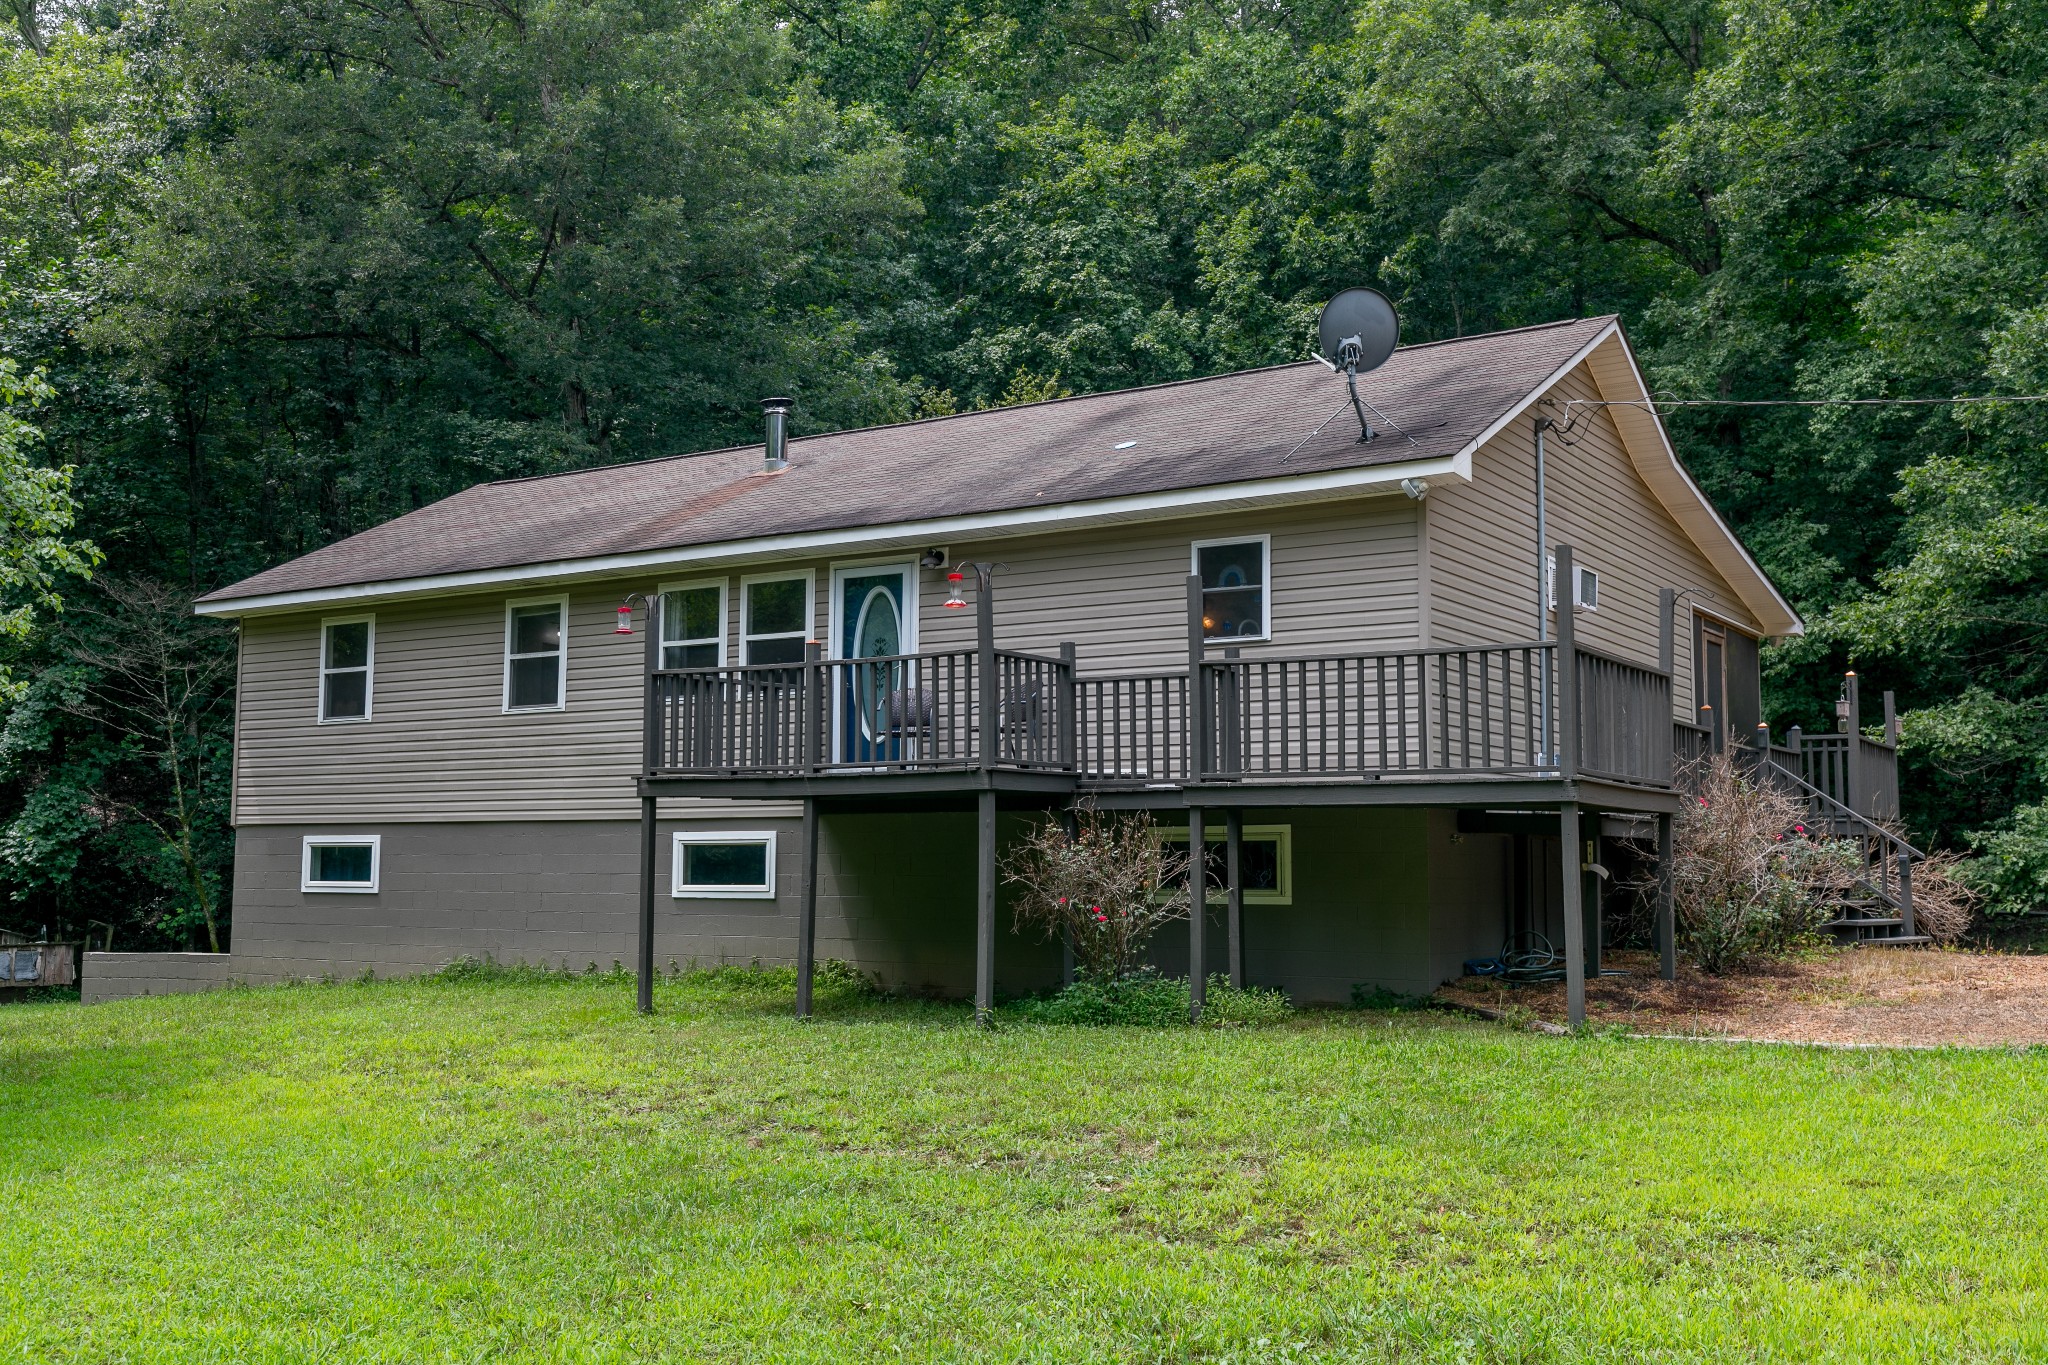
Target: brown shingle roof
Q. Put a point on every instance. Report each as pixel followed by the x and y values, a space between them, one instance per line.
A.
pixel 1200 432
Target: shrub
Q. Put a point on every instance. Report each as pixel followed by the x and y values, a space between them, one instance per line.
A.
pixel 1944 901
pixel 1745 879
pixel 1108 888
pixel 1145 999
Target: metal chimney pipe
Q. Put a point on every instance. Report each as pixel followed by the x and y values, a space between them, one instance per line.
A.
pixel 777 447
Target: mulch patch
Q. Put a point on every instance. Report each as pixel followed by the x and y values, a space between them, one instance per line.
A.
pixel 1886 996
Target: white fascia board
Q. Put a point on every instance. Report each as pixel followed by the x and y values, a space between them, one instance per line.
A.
pixel 1530 399
pixel 1787 620
pixel 1022 521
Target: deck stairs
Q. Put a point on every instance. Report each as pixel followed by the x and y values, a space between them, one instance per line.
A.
pixel 1878 910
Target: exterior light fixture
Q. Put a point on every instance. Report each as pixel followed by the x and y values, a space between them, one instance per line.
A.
pixel 954 599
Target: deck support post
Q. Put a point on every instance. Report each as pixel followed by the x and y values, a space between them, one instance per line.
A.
pixel 807 913
pixel 1198 914
pixel 1198 720
pixel 1852 752
pixel 985 909
pixel 989 701
pixel 1667 630
pixel 1907 925
pixel 650 761
pixel 1233 866
pixel 1667 903
pixel 645 956
pixel 1571 859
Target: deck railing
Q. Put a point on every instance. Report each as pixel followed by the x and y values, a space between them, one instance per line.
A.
pixel 1475 710
pixel 1478 711
pixel 1528 708
pixel 903 712
pixel 1623 713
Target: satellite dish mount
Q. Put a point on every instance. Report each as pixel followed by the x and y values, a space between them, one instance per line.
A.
pixel 1358 330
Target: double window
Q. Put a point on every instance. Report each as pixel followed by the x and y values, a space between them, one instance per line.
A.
pixel 775 619
pixel 347 657
pixel 340 862
pixel 536 654
pixel 723 865
pixel 693 625
pixel 1234 575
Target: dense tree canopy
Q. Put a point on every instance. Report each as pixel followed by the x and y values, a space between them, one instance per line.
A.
pixel 290 270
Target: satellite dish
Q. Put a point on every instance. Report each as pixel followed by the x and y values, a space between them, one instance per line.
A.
pixel 1358 330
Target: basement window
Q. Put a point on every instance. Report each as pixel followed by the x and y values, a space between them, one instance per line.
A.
pixel 1266 861
pixel 724 865
pixel 340 862
pixel 347 649
pixel 536 654
pixel 693 625
pixel 1233 587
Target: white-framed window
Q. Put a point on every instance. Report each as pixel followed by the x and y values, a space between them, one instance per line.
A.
pixel 348 661
pixel 1265 860
pixel 775 618
pixel 693 624
pixel 536 654
pixel 1235 603
pixel 723 865
pixel 1585 585
pixel 341 862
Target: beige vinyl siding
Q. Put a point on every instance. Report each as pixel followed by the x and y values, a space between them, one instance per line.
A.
pixel 1482 544
pixel 1341 576
pixel 440 745
pixel 441 748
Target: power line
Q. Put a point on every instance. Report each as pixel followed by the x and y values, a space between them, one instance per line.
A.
pixel 1798 402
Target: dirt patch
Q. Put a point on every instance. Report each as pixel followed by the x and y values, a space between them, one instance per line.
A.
pixel 1897 996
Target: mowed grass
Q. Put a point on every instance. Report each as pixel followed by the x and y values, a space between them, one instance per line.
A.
pixel 522 1170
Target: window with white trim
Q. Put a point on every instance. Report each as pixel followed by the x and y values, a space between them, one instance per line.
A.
pixel 693 625
pixel 347 657
pixel 1234 576
pixel 1265 861
pixel 340 862
pixel 775 619
pixel 1585 585
pixel 723 865
pixel 536 654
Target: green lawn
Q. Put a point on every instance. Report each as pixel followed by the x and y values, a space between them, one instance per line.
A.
pixel 493 1170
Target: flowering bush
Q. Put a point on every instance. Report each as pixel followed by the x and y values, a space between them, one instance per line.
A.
pixel 1109 887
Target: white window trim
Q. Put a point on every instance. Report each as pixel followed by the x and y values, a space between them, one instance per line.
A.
pixel 810 582
pixel 1282 835
pixel 373 842
pixel 369 671
pixel 1264 541
pixel 561 604
pixel 678 891
pixel 1580 573
pixel 835 642
pixel 724 586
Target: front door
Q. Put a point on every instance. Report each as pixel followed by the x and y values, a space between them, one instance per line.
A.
pixel 873 630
